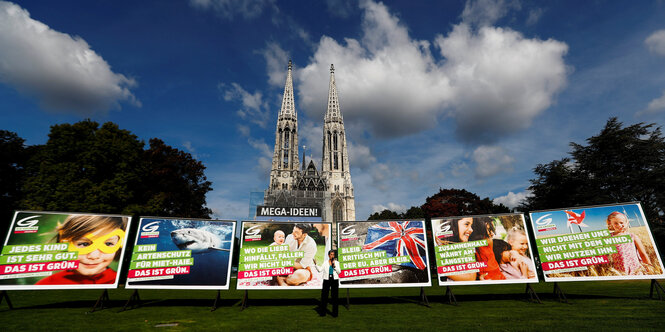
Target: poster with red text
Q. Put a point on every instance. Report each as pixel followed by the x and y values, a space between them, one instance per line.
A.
pixel 391 253
pixel 283 254
pixel 608 242
pixel 56 250
pixel 485 249
pixel 182 254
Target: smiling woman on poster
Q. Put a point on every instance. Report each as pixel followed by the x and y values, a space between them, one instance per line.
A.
pixel 462 230
pixel 97 239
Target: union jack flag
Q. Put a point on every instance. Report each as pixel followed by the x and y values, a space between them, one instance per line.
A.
pixel 399 238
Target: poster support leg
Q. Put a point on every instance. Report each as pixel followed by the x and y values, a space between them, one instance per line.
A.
pixel 134 299
pixel 654 284
pixel 218 298
pixel 451 297
pixel 348 300
pixel 559 293
pixel 533 297
pixel 5 296
pixel 423 297
pixel 101 302
pixel 245 302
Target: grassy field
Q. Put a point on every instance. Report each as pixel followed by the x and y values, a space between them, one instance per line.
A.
pixel 615 305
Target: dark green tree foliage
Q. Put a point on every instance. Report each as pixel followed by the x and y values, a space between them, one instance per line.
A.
pixel 13 156
pixel 413 212
pixel 87 168
pixel 459 202
pixel 176 183
pixel 620 164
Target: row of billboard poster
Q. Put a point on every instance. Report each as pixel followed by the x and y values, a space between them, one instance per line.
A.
pixel 46 250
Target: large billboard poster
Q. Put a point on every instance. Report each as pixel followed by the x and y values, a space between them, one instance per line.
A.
pixel 282 254
pixel 607 242
pixel 383 254
pixel 55 250
pixel 487 249
pixel 182 254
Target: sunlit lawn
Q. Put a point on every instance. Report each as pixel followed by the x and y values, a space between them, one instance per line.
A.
pixel 622 305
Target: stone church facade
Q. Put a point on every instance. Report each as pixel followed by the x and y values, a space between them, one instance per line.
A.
pixel 297 184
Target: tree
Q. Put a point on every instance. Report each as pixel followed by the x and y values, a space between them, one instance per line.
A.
pixel 414 212
pixel 13 156
pixel 459 202
pixel 620 164
pixel 87 168
pixel 176 184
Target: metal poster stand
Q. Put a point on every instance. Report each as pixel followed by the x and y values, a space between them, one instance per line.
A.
pixel 245 302
pixel 133 300
pixel 348 302
pixel 101 302
pixel 533 297
pixel 559 293
pixel 423 297
pixel 217 299
pixel 451 297
pixel 654 284
pixel 4 295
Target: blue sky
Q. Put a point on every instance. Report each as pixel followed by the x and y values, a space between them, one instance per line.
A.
pixel 463 94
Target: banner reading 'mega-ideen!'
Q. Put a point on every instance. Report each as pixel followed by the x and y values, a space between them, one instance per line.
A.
pixel 49 250
pixel 383 254
pixel 283 255
pixel 607 242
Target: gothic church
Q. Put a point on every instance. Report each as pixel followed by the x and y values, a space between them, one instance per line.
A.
pixel 296 185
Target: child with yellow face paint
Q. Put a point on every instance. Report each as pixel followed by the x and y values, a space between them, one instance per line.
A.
pixel 97 239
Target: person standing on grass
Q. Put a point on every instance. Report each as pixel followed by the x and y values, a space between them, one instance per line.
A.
pixel 331 273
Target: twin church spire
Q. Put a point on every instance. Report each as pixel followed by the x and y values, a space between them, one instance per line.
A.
pixel 288 184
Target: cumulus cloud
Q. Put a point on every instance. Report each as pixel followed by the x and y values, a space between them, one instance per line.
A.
pixel 254 108
pixel 656 105
pixel 656 42
pixel 512 200
pixel 276 63
pixel 360 155
pixel 491 160
pixel 487 12
pixel 492 81
pixel 399 208
pixel 62 71
pixel 229 9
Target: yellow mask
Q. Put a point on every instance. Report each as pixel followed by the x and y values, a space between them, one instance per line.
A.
pixel 99 243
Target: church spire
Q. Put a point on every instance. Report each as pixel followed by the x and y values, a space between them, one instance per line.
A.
pixel 332 111
pixel 288 104
pixel 285 160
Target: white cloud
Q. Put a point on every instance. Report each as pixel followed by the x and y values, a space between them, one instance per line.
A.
pixel 534 16
pixel 491 160
pixel 399 208
pixel 360 155
pixel 656 42
pixel 276 60
pixel 487 12
pixel 492 82
pixel 502 80
pixel 654 106
pixel 254 109
pixel 340 8
pixel 62 71
pixel 511 199
pixel 229 9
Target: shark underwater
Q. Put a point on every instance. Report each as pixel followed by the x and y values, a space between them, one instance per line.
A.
pixel 196 240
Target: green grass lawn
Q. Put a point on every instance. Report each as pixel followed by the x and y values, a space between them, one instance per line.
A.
pixel 615 305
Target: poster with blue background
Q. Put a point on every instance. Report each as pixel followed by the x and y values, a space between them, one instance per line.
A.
pixel 182 254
